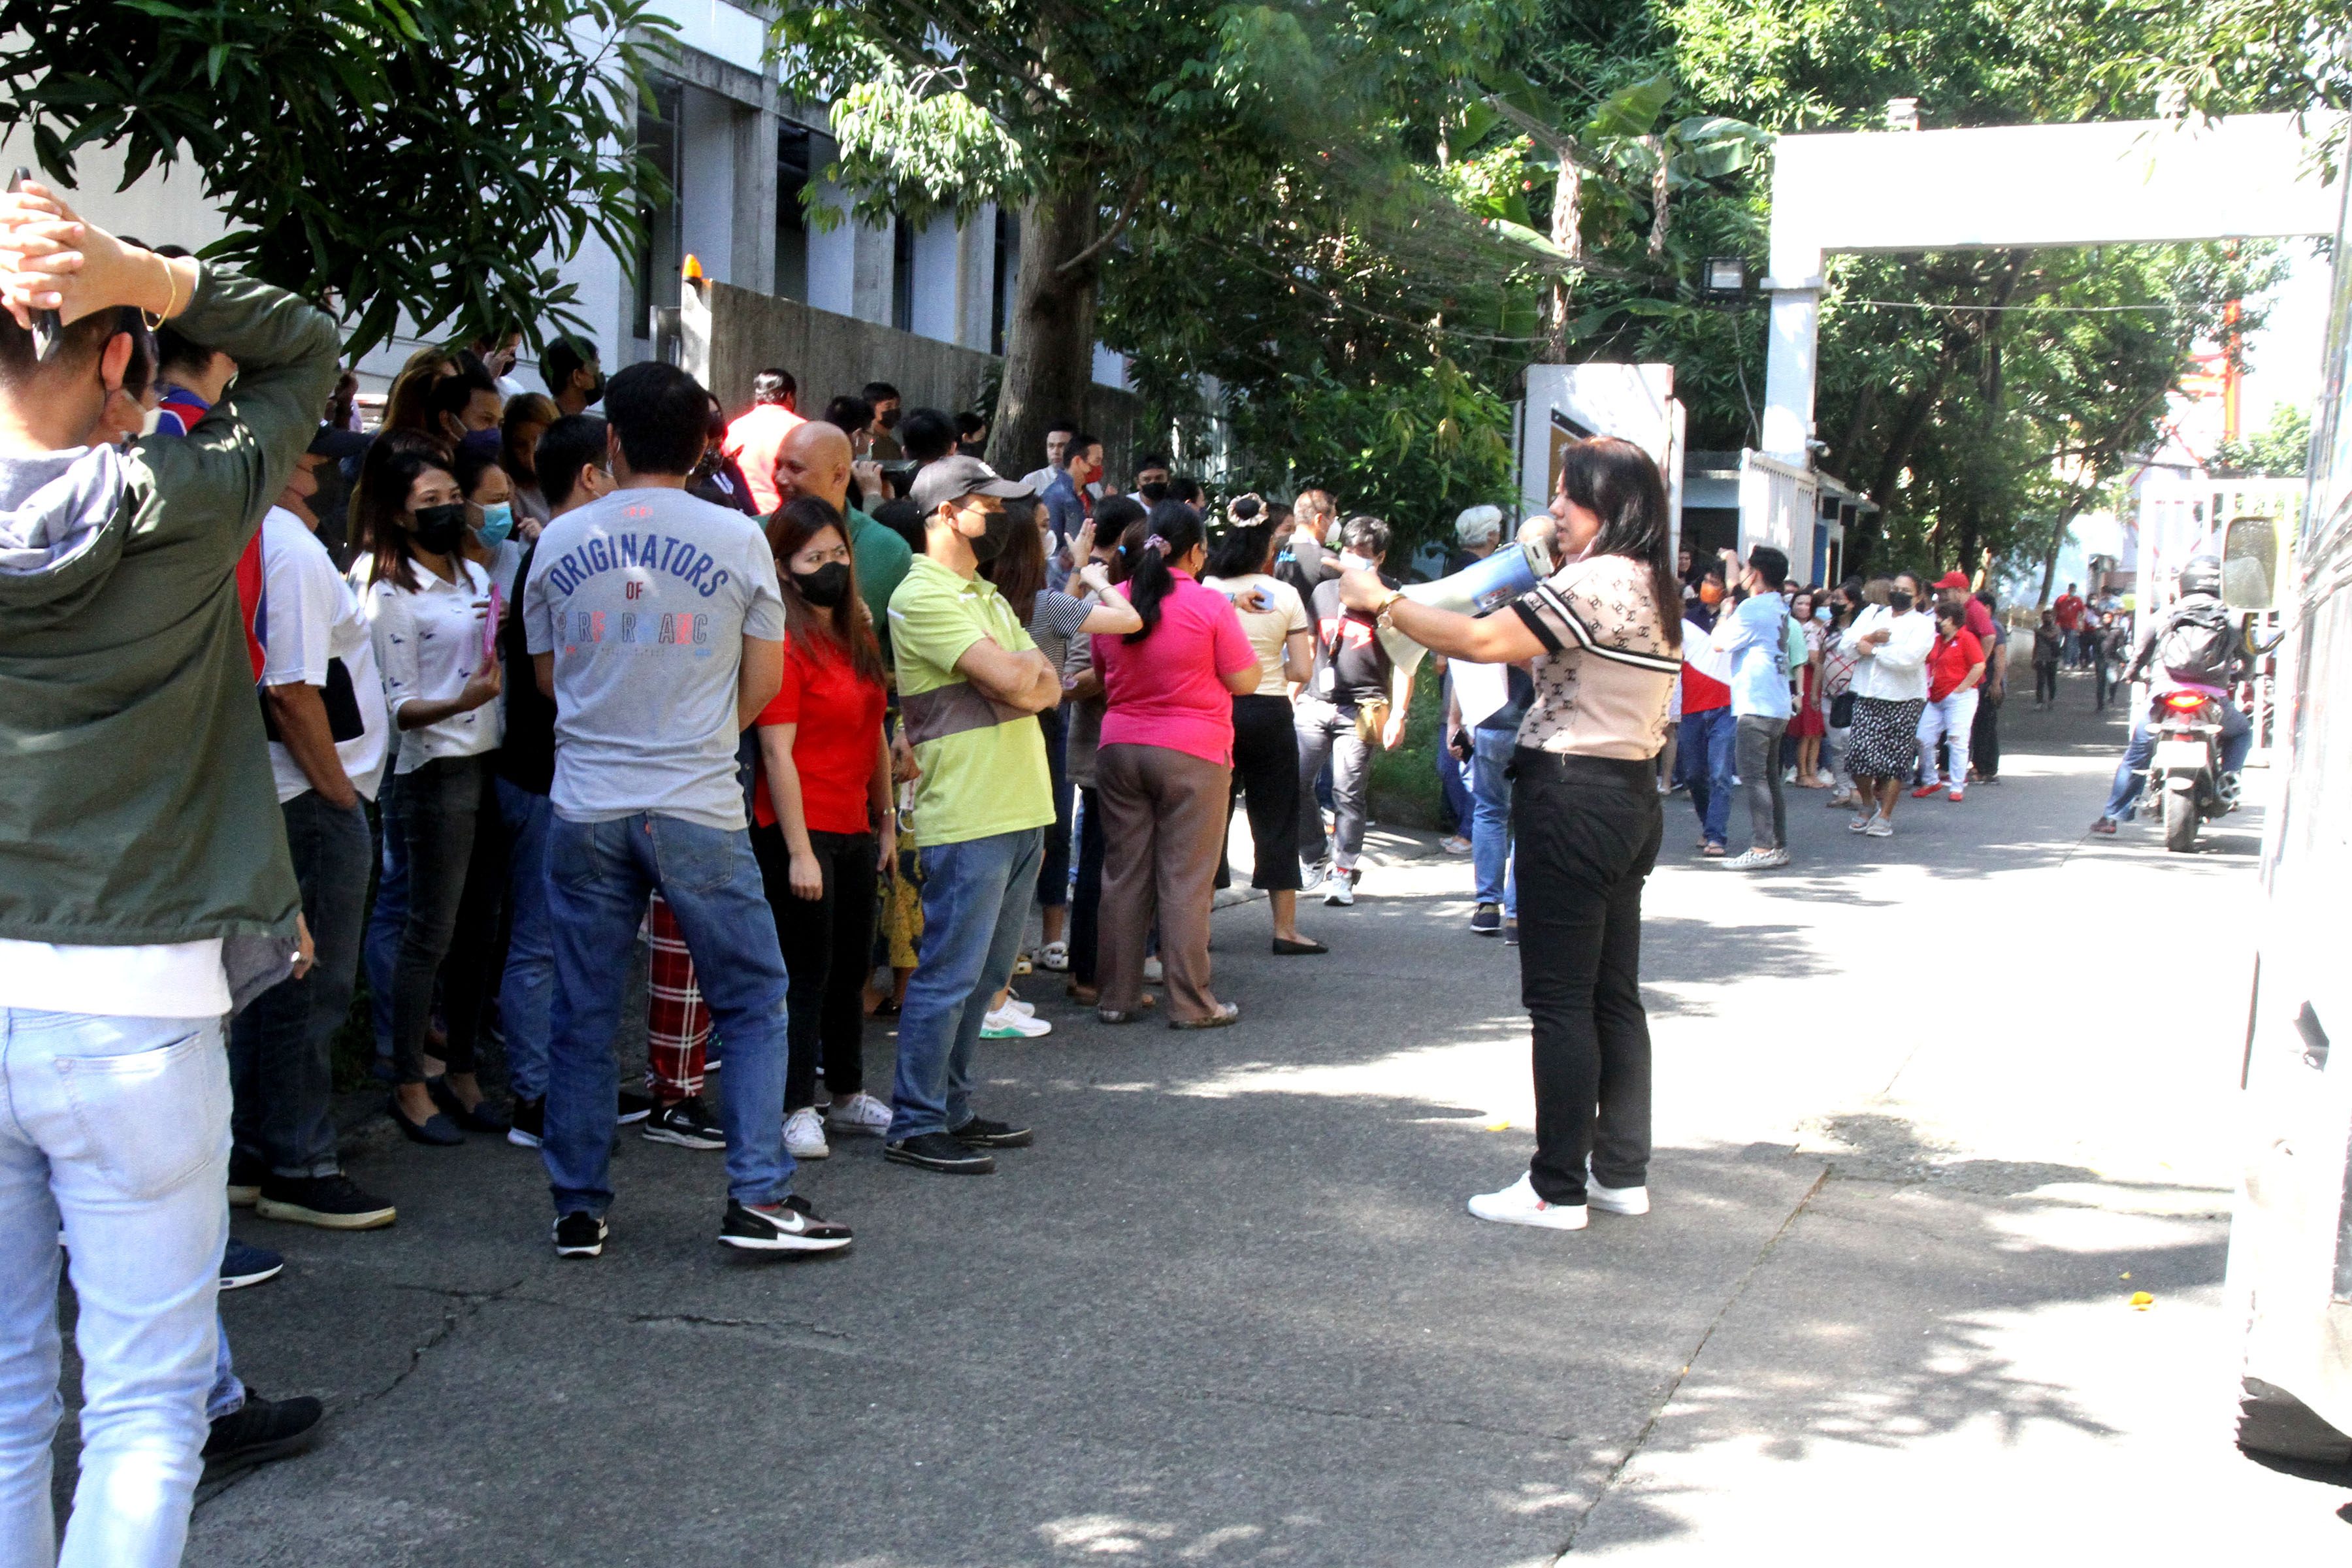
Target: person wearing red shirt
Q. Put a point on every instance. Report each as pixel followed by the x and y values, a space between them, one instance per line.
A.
pixel 824 829
pixel 2069 611
pixel 1707 730
pixel 1164 771
pixel 754 437
pixel 1955 666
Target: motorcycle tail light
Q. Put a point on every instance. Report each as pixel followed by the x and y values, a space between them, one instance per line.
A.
pixel 2184 701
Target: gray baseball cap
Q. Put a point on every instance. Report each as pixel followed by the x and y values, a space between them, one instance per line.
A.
pixel 952 478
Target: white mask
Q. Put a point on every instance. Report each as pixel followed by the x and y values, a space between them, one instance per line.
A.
pixel 1351 562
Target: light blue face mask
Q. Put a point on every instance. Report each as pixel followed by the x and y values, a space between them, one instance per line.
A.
pixel 498 522
pixel 1822 614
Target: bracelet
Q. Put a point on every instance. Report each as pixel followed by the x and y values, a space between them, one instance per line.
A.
pixel 1380 612
pixel 170 295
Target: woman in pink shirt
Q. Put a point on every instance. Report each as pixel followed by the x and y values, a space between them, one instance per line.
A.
pixel 1165 769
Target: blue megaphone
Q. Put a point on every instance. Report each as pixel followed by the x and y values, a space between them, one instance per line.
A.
pixel 1477 588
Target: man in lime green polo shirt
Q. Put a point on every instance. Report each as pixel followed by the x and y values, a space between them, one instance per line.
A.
pixel 812 459
pixel 969 682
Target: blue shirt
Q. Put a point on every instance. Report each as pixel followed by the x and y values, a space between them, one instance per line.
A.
pixel 1753 636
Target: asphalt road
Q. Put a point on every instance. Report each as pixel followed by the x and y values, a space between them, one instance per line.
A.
pixel 1931 1109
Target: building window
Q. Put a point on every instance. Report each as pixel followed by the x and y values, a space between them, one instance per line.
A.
pixel 658 249
pixel 1005 273
pixel 793 151
pixel 902 274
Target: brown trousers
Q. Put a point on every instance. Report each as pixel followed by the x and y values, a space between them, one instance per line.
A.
pixel 1163 819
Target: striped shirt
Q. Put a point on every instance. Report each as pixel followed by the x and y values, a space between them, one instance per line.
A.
pixel 1603 682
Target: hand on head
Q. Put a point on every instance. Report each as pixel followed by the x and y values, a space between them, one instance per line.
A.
pixel 52 260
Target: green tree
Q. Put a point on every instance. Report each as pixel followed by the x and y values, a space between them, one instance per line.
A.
pixel 2281 450
pixel 387 158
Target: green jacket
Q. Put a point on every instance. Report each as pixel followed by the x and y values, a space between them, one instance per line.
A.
pixel 136 801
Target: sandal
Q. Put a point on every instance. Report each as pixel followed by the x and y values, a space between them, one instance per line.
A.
pixel 1055 956
pixel 1226 1012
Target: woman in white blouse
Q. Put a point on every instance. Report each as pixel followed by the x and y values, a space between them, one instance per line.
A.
pixel 428 607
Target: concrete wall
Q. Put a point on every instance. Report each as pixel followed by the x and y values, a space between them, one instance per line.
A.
pixel 829 354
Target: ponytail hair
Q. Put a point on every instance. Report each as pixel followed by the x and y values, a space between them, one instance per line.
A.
pixel 1171 532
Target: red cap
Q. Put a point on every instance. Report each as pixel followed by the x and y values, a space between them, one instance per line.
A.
pixel 1953 580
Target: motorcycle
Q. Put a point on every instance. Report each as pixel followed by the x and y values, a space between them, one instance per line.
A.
pixel 2186 771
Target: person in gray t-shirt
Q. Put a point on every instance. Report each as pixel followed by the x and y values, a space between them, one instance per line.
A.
pixel 645 598
pixel 653 621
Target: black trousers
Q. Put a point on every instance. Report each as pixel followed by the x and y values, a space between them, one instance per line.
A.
pixel 1054 874
pixel 1266 777
pixel 2045 683
pixel 826 942
pixel 446 812
pixel 1984 738
pixel 1588 829
pixel 1086 898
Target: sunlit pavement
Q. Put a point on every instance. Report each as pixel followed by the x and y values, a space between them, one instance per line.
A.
pixel 1930 1110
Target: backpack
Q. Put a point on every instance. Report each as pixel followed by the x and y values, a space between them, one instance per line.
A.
pixel 2196 644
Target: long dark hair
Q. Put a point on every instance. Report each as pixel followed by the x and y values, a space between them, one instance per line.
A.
pixel 849 629
pixel 1171 532
pixel 1242 550
pixel 1019 569
pixel 1616 481
pixel 380 503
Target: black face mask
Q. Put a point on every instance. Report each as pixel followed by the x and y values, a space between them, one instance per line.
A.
pixel 990 545
pixel 826 586
pixel 1154 492
pixel 596 394
pixel 439 528
pixel 888 421
pixel 1899 601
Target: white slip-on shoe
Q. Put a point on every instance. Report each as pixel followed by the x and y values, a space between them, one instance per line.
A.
pixel 1517 1204
pixel 859 1115
pixel 1617 1200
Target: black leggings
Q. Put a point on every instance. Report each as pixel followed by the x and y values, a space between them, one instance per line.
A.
pixel 446 812
pixel 1588 835
pixel 1265 775
pixel 826 942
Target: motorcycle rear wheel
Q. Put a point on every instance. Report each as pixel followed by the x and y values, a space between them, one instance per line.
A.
pixel 2179 821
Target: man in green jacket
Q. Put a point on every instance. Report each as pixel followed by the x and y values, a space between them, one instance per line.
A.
pixel 145 889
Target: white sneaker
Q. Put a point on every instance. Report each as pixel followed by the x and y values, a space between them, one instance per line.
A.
pixel 1780 856
pixel 1014 1005
pixel 1153 975
pixel 1517 1204
pixel 1617 1200
pixel 859 1116
pixel 1755 860
pixel 1004 1023
pixel 1338 888
pixel 804 1135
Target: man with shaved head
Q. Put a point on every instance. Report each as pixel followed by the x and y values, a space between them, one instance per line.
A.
pixel 812 459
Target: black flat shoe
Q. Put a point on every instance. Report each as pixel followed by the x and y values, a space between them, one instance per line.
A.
pixel 436 1129
pixel 1286 948
pixel 481 1118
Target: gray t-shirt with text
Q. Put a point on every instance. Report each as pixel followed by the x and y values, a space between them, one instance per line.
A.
pixel 645 598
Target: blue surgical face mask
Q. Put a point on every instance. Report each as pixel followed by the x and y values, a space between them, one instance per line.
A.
pixel 1822 614
pixel 498 522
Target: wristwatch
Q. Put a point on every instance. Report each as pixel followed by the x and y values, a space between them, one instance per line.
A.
pixel 1381 611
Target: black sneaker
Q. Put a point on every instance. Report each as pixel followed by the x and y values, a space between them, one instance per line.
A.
pixel 330 1202
pixel 937 1151
pixel 1487 920
pixel 244 1182
pixel 1511 935
pixel 633 1107
pixel 263 1430
pixel 981 1133
pixel 242 1263
pixel 688 1124
pixel 529 1127
pixel 793 1226
pixel 579 1234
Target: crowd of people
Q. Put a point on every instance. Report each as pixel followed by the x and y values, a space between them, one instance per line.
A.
pixel 595 720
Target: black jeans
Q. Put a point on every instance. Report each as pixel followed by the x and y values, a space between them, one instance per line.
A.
pixel 1265 776
pixel 1086 901
pixel 1053 876
pixel 447 813
pixel 1984 738
pixel 826 942
pixel 280 1049
pixel 1587 837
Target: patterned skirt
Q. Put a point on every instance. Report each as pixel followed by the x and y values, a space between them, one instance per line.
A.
pixel 1884 740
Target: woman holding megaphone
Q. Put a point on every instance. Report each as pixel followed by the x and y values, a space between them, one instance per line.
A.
pixel 1603 636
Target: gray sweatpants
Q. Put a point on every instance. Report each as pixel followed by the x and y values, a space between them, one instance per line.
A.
pixel 1328 730
pixel 1758 750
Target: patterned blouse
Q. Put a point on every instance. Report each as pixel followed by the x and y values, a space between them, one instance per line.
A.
pixel 1603 682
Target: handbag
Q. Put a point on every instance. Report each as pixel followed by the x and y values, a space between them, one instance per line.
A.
pixel 1842 710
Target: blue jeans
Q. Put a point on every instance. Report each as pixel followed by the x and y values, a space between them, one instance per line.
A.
pixel 117 1129
pixel 975 906
pixel 1706 752
pixel 599 876
pixel 381 951
pixel 2131 774
pixel 527 990
pixel 281 1047
pixel 1490 818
